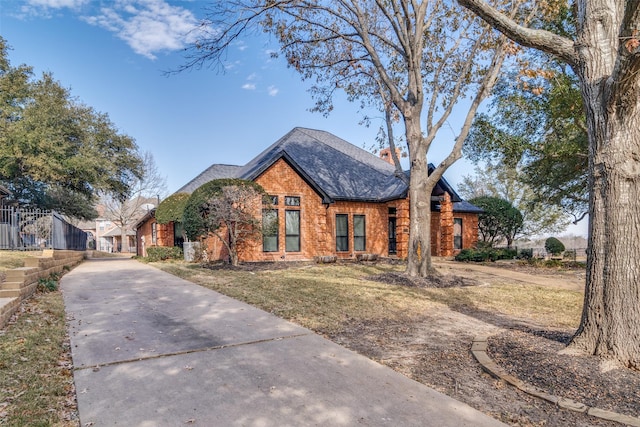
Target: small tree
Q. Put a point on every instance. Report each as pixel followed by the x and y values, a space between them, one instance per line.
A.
pixel 143 190
pixel 227 208
pixel 500 220
pixel 509 183
pixel 553 246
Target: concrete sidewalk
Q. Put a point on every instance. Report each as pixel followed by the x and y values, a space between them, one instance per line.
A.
pixel 150 349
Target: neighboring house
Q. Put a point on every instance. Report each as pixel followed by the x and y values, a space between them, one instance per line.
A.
pixel 331 198
pixel 105 235
pixel 150 233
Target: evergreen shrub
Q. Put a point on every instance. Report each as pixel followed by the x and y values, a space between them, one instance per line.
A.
pixel 161 253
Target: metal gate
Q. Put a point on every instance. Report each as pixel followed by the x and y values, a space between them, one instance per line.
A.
pixel 35 229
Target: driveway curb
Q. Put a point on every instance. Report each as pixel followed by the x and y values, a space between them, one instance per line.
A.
pixel 479 351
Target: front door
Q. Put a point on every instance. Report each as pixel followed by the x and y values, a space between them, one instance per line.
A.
pixel 392 236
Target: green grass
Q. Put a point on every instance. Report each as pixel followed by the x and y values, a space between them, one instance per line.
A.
pixel 323 297
pixel 36 381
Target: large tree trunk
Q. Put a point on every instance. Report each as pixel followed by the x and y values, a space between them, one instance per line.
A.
pixel 419 251
pixel 610 324
pixel 606 58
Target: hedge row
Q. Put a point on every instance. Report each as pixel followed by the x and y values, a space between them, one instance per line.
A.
pixel 160 253
pixel 486 254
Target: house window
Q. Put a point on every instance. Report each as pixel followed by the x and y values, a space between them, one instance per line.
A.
pixel 457 233
pixel 272 200
pixel 342 233
pixel 154 233
pixel 270 230
pixel 292 231
pixel 359 233
pixel 291 201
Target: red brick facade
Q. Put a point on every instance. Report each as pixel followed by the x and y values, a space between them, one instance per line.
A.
pixel 317 234
pixel 149 233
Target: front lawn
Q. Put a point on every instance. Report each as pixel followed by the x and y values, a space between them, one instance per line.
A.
pixel 323 297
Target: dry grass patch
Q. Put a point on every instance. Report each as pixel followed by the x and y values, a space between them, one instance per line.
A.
pixel 319 297
pixel 548 307
pixel 36 380
pixel 323 297
pixel 15 259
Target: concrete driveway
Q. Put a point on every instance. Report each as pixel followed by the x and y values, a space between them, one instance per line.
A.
pixel 150 349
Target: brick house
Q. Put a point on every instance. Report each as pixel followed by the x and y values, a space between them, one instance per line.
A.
pixel 330 198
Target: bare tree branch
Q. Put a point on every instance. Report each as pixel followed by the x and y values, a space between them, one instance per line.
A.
pixel 545 41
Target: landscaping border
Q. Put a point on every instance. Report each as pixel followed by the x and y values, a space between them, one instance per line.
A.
pixel 20 283
pixel 479 351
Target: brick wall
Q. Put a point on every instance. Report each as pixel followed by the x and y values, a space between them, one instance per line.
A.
pixel 318 224
pixel 469 229
pixel 164 235
pixel 317 220
pixel 442 229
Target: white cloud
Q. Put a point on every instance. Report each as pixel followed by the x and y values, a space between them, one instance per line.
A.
pixel 272 90
pixel 46 8
pixel 57 4
pixel 147 26
pixel 249 86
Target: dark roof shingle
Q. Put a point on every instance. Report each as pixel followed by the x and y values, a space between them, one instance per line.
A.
pixel 209 174
pixel 336 169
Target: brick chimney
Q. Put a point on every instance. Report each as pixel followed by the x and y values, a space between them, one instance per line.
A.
pixel 385 154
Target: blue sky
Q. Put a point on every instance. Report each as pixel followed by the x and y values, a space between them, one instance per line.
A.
pixel 112 54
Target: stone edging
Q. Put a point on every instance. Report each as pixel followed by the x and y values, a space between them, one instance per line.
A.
pixel 479 351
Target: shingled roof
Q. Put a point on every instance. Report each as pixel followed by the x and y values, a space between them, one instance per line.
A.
pixel 209 174
pixel 334 168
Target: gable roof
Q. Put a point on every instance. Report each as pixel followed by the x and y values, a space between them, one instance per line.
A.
pixel 209 174
pixel 334 168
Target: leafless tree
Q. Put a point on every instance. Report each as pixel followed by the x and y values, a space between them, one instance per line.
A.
pixel 232 216
pixel 420 57
pixel 144 191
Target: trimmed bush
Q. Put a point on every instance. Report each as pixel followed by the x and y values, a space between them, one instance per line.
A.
pixel 554 246
pixel 172 208
pixel 485 254
pixel 196 210
pixel 161 253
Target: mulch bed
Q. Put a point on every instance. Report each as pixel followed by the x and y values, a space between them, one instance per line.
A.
pixel 533 357
pixel 432 281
